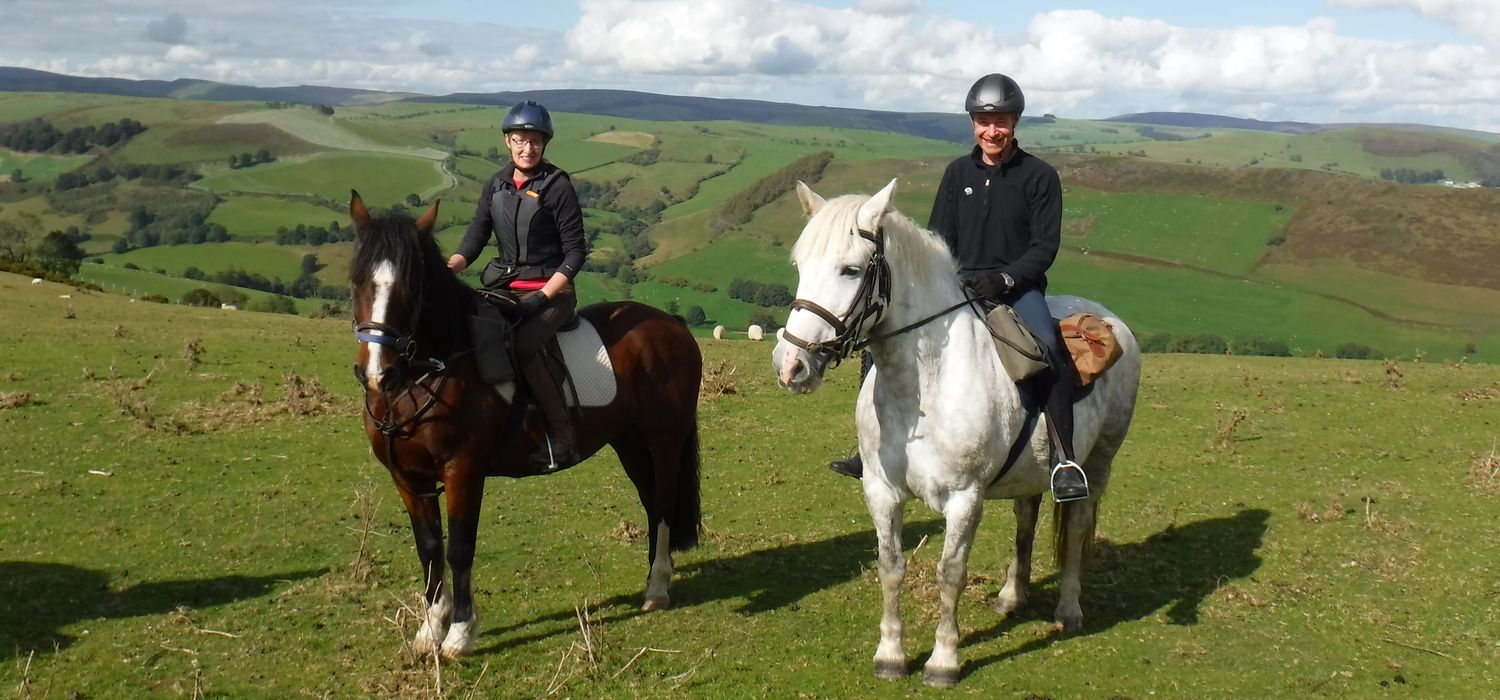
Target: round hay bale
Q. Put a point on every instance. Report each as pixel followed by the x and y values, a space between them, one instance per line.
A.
pixel 718 332
pixel 756 332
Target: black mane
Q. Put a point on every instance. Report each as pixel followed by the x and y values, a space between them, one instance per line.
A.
pixel 420 268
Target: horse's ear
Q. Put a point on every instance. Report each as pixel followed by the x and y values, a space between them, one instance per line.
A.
pixel 357 211
pixel 868 218
pixel 811 202
pixel 428 218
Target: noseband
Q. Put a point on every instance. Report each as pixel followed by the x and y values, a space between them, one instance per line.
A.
pixel 868 306
pixel 405 345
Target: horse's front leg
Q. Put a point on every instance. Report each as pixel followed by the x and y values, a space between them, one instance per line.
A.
pixel 886 511
pixel 961 512
pixel 465 493
pixel 1018 576
pixel 427 528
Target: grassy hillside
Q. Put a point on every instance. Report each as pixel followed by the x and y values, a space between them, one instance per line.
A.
pixel 1266 248
pixel 1266 529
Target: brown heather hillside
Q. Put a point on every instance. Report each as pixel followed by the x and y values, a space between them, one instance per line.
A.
pixel 1424 232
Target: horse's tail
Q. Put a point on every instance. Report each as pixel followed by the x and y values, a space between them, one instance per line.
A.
pixel 1060 533
pixel 687 517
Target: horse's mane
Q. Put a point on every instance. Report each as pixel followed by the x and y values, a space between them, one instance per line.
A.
pixel 918 257
pixel 394 238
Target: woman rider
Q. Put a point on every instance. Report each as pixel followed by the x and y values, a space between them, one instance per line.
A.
pixel 532 209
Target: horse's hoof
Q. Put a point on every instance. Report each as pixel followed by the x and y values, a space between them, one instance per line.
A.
pixel 422 646
pixel 1006 606
pixel 453 654
pixel 940 677
pixel 656 602
pixel 890 670
pixel 1070 623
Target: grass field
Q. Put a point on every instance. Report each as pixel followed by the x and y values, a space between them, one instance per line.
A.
pixel 139 283
pixel 256 218
pixel 1327 547
pixel 265 259
pixel 379 178
pixel 36 167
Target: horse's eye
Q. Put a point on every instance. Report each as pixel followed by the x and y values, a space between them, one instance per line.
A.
pixel 850 271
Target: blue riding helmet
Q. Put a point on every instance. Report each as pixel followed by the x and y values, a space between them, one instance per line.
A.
pixel 528 115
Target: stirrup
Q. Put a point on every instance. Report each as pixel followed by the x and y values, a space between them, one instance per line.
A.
pixel 1069 483
pixel 549 460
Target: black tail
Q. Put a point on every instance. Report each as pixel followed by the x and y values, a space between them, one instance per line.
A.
pixel 687 517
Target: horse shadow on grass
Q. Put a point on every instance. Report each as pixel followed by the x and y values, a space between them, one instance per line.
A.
pixel 1176 568
pixel 44 597
pixel 765 580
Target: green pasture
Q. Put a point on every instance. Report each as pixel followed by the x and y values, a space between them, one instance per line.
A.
pixel 380 178
pixel 265 259
pixel 21 106
pixel 1274 528
pixel 36 167
pixel 1222 235
pixel 139 283
pixel 1399 297
pixel 211 143
pixel 256 218
pixel 1157 298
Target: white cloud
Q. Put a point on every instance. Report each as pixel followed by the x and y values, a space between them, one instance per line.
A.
pixel 1476 18
pixel 183 53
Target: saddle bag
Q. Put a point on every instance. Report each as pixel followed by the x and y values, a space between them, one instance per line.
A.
pixel 1020 351
pixel 1092 344
pixel 491 331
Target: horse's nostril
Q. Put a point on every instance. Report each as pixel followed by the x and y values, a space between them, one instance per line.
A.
pixel 359 373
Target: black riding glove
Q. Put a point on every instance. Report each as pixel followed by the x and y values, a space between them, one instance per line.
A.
pixel 531 304
pixel 989 285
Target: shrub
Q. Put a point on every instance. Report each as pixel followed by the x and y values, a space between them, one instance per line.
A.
pixel 1356 351
pixel 201 297
pixel 156 299
pixel 1265 347
pixel 1198 343
pixel 1156 342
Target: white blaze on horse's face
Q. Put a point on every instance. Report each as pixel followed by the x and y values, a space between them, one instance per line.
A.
pixel 384 278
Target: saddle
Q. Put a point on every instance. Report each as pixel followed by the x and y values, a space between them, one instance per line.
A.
pixel 576 356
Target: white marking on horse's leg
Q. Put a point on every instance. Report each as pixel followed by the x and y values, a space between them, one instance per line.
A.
pixel 659 581
pixel 434 624
pixel 885 511
pixel 460 639
pixel 962 513
pixel 1078 519
pixel 384 278
pixel 1018 576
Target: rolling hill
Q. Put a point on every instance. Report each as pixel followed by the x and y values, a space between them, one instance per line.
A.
pixel 1191 228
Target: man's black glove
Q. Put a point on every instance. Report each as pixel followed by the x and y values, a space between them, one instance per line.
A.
pixel 990 285
pixel 530 304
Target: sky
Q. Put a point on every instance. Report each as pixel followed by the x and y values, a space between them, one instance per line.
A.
pixel 1425 61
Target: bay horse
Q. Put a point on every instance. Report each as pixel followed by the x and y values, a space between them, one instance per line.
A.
pixel 938 417
pixel 440 430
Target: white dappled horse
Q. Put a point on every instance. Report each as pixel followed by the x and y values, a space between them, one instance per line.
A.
pixel 938 415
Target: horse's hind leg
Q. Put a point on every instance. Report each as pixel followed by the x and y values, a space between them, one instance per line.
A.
pixel 885 511
pixel 962 513
pixel 427 528
pixel 646 464
pixel 464 498
pixel 1075 522
pixel 1018 578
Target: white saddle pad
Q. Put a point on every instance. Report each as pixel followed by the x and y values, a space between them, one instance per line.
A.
pixel 590 372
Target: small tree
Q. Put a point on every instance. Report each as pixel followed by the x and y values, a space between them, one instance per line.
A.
pixel 15 176
pixel 762 318
pixel 200 297
pixel 412 200
pixel 695 315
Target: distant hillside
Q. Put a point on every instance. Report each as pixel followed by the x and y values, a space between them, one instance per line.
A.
pixel 28 80
pixel 1215 121
pixel 653 107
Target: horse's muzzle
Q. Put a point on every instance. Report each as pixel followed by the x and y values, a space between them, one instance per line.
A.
pixel 797 371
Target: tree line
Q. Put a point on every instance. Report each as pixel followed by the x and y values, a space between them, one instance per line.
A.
pixel 1412 176
pixel 760 293
pixel 737 208
pixel 166 174
pixel 39 135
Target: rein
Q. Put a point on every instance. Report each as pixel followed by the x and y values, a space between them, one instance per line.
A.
pixel 872 298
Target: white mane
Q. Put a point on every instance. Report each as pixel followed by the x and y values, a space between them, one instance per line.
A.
pixel 919 258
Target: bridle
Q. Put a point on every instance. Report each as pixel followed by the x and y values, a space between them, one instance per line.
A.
pixel 866 309
pixel 405 346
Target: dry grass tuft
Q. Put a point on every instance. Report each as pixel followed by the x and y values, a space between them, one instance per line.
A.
pixel 627 531
pixel 16 399
pixel 304 397
pixel 1484 472
pixel 1227 427
pixel 120 331
pixel 192 353
pixel 1480 393
pixel 1394 379
pixel 130 398
pixel 718 380
pixel 365 505
pixel 1309 512
pixel 69 313
pixel 243 403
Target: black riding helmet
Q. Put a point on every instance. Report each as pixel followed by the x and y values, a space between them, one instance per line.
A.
pixel 528 115
pixel 995 92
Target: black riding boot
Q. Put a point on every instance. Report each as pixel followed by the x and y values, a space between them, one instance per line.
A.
pixel 560 451
pixel 854 465
pixel 1068 480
